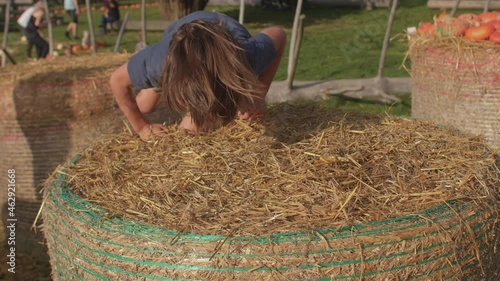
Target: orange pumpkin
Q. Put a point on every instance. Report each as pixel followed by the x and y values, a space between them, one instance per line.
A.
pixel 76 48
pixel 495 37
pixel 455 27
pixel 495 24
pixel 427 28
pixel 479 33
pixel 489 16
pixel 470 18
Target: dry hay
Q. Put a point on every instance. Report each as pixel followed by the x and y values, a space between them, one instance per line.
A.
pixel 311 193
pixel 50 110
pixel 63 69
pixel 456 82
pixel 241 181
pixel 61 88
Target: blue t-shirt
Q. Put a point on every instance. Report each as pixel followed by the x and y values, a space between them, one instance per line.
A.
pixel 69 5
pixel 145 67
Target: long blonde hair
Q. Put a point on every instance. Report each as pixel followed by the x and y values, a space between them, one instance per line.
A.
pixel 207 74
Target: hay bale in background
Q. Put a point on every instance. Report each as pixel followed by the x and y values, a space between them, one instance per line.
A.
pixel 311 194
pixel 456 83
pixel 50 110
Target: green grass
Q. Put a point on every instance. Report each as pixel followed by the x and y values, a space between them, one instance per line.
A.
pixel 338 43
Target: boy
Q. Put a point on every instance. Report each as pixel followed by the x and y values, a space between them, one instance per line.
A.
pixel 30 22
pixel 111 14
pixel 72 9
pixel 207 66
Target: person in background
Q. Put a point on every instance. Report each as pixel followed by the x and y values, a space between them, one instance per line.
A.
pixel 206 67
pixel 30 22
pixel 111 14
pixel 72 9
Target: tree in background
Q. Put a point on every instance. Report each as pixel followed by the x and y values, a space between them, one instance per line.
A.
pixel 175 9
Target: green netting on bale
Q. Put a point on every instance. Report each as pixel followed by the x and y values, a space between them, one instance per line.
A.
pixel 452 240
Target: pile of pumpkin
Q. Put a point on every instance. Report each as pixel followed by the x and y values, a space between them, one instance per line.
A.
pixel 474 27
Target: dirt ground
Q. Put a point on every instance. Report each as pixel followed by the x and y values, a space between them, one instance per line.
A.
pixel 31 258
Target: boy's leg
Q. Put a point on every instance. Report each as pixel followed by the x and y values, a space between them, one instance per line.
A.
pixel 74 23
pixel 42 47
pixel 73 30
pixel 104 23
pixel 37 48
pixel 70 24
pixel 29 46
pixel 29 49
pixel 147 100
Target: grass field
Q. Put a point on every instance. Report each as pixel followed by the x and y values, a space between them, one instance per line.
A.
pixel 338 43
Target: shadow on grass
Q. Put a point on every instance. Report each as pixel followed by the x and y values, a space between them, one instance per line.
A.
pixel 402 109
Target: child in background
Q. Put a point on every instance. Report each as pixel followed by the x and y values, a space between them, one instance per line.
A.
pixel 30 22
pixel 111 14
pixel 72 9
pixel 207 67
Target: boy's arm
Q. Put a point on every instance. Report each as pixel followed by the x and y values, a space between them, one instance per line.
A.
pixel 122 92
pixel 77 9
pixel 278 36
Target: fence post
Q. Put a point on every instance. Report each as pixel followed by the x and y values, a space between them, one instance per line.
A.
pixel 91 25
pixel 5 32
pixel 298 10
pixel 120 33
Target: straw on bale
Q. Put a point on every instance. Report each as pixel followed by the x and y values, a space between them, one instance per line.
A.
pixel 309 194
pixel 456 82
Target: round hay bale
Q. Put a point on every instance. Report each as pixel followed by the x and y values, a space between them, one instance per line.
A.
pixel 310 194
pixel 50 110
pixel 456 83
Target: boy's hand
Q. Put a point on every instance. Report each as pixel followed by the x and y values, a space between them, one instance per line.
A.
pixel 152 131
pixel 257 112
